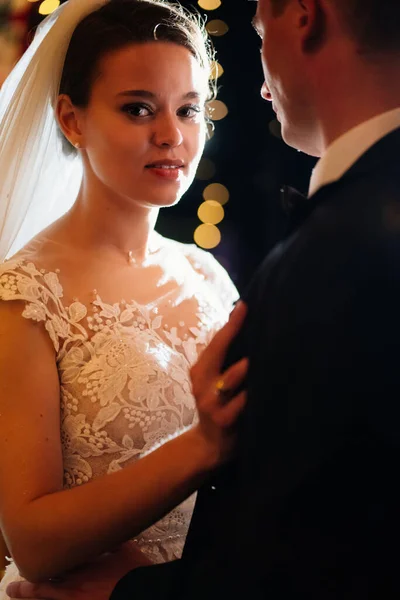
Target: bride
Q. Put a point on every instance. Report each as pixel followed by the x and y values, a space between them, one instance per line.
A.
pixel 101 317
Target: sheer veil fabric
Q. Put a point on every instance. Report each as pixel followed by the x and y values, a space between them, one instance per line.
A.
pixel 38 183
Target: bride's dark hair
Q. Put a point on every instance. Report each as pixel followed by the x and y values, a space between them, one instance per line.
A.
pixel 120 23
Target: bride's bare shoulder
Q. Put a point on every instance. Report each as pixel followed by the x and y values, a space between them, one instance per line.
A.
pixel 42 250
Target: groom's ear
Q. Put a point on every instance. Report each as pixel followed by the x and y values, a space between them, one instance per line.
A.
pixel 311 22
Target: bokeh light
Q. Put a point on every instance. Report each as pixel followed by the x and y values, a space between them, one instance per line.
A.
pixel 209 4
pixel 48 6
pixel 217 27
pixel 206 169
pixel 211 211
pixel 275 128
pixel 218 192
pixel 216 70
pixel 210 130
pixel 218 110
pixel 207 236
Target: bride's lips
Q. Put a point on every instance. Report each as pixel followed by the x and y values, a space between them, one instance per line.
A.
pixel 166 169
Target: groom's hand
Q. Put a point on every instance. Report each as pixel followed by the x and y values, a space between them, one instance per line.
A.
pixel 95 581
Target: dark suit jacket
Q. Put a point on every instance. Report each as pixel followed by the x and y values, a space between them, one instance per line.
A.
pixel 311 506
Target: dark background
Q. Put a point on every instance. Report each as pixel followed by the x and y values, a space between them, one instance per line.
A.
pixel 250 158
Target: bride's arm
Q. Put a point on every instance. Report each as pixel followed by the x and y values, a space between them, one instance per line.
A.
pixel 3 555
pixel 50 530
pixel 95 581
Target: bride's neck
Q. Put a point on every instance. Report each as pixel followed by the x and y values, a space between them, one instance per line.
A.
pixel 105 223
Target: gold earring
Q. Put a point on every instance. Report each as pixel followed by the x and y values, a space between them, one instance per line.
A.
pixel 77 145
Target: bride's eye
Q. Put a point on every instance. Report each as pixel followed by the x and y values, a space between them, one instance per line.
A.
pixel 191 111
pixel 137 109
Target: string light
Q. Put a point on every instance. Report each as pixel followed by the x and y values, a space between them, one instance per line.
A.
pixel 216 70
pixel 209 4
pixel 218 110
pixel 207 236
pixel 48 6
pixel 218 192
pixel 210 131
pixel 206 169
pixel 211 212
pixel 217 27
pixel 275 128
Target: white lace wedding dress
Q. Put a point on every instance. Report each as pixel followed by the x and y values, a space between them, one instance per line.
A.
pixel 124 366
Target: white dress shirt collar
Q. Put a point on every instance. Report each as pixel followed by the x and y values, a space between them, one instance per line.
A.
pixel 346 150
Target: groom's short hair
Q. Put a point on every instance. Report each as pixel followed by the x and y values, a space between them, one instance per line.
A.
pixel 374 24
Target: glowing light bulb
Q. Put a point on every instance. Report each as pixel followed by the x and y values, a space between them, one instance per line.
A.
pixel 209 4
pixel 48 6
pixel 217 28
pixel 218 110
pixel 211 212
pixel 207 236
pixel 218 192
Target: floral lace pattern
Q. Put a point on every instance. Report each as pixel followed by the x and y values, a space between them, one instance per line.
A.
pixel 124 373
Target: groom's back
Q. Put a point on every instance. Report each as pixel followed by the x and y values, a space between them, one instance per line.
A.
pixel 311 509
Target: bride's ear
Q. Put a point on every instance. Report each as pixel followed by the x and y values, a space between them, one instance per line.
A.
pixel 69 120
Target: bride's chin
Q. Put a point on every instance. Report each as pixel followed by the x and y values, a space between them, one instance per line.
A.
pixel 160 202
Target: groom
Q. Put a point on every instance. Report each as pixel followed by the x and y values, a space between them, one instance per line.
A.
pixel 311 507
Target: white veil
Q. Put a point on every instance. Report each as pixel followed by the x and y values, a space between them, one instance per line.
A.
pixel 37 182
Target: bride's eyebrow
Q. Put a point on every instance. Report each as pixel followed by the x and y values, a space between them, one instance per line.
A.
pixel 151 96
pixel 139 94
pixel 192 96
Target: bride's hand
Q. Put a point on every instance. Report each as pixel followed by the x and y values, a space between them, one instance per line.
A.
pixel 218 403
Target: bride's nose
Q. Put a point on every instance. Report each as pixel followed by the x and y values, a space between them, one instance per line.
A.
pixel 167 132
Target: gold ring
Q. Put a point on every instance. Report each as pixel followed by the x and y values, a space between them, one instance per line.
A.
pixel 222 391
pixel 220 386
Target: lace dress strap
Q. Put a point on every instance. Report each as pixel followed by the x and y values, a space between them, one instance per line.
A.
pixel 42 295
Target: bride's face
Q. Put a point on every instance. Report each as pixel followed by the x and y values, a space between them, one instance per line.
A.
pixel 144 130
